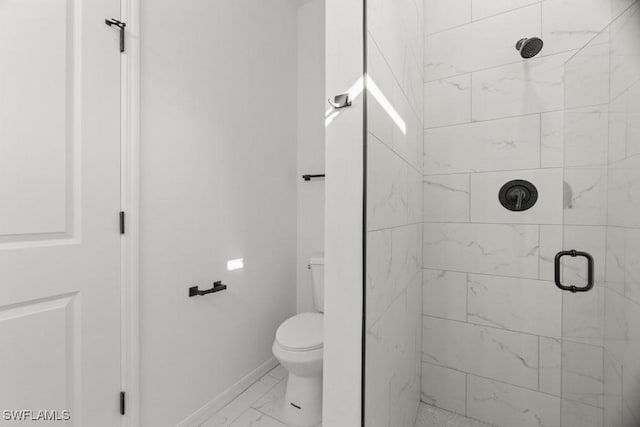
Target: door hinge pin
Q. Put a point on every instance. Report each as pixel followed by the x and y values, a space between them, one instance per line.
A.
pixel 122 400
pixel 121 222
pixel 120 25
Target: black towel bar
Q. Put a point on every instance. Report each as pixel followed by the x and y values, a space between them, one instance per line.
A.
pixel 310 177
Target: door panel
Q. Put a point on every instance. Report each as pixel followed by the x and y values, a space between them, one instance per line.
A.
pixel 59 204
pixel 37 124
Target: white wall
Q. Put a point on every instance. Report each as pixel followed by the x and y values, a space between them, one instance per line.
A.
pixel 344 218
pixel 311 109
pixel 218 181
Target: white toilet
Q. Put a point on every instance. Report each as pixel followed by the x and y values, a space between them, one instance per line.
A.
pixel 298 346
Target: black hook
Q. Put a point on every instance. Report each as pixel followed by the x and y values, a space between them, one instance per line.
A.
pixel 121 25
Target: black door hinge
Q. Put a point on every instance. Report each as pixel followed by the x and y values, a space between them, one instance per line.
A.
pixel 121 222
pixel 122 400
pixel 120 25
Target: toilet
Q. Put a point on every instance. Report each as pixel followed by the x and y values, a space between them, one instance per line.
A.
pixel 298 346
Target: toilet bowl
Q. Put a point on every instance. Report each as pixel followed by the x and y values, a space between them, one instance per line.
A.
pixel 298 346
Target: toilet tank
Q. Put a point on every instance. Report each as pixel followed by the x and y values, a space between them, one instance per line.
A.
pixel 316 265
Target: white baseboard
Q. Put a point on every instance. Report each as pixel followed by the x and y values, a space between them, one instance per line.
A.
pixel 221 400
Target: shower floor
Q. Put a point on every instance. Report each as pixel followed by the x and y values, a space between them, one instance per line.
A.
pixel 430 416
pixel 258 406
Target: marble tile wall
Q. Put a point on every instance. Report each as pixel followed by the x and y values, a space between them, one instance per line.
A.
pixel 394 212
pixel 620 373
pixel 500 342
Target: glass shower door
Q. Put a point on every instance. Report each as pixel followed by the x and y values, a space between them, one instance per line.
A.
pixel 600 342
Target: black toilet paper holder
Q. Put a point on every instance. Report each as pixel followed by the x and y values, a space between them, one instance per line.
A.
pixel 217 287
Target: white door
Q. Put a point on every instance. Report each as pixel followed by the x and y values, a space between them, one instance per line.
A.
pixel 59 204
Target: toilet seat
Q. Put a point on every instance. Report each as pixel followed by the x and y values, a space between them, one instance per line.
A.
pixel 302 332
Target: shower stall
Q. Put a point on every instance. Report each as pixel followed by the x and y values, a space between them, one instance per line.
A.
pixel 518 307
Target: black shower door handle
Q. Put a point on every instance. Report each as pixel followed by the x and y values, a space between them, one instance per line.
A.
pixel 572 288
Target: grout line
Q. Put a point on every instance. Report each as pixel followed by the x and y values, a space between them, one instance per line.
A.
pixel 537 335
pixel 562 110
pixel 466 394
pixel 573 53
pixel 481 19
pixel 469 199
pixel 401 157
pixel 467 297
pixel 540 361
pixel 540 139
pixel 508 224
pixel 425 175
pixel 494 380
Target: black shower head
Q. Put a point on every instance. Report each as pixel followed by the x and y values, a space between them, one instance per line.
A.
pixel 529 47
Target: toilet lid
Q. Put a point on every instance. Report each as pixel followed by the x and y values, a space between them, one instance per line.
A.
pixel 302 332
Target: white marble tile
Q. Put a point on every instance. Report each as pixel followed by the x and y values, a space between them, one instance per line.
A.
pixel 550 244
pixel 483 44
pixel 379 121
pixel 586 137
pixel 430 416
pixel 415 195
pixel 487 209
pixel 583 373
pixel 444 294
pixel 447 101
pixel 619 6
pixel 582 316
pixel 484 8
pixel 488 352
pixel 396 29
pixel 587 76
pixel 406 255
pixel 630 416
pixel 618 115
pixel 550 365
pixel 272 403
pixel 632 120
pixel 625 58
pixel 552 139
pixel 387 189
pixel 393 363
pixel 514 304
pixel 446 198
pixel 381 283
pixel 528 87
pixel 575 414
pixel 240 404
pixel 253 418
pixel 393 262
pixel 508 250
pixel 444 388
pixel 505 144
pixel 440 15
pixel 632 264
pixel 623 195
pixel 615 259
pixel 406 383
pixel 570 24
pixel 508 406
pixel 586 191
pixel 408 134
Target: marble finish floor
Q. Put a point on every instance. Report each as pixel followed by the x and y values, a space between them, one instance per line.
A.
pixel 430 416
pixel 260 405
